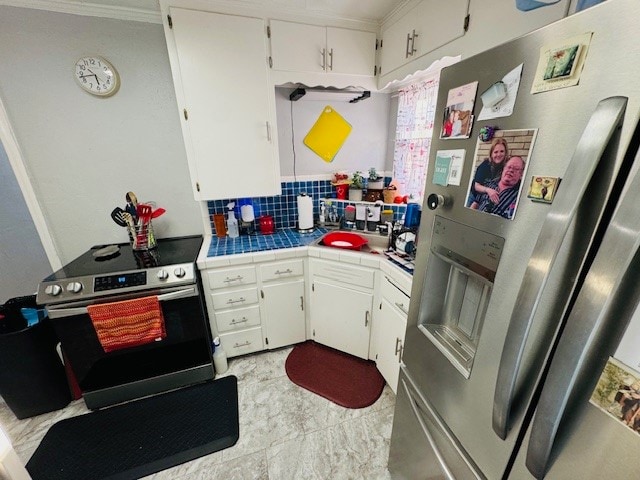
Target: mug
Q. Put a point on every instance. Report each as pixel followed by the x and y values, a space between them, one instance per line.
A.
pixel 412 216
pixel 266 224
pixel 341 191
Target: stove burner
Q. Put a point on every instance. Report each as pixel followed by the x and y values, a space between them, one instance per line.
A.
pixel 106 252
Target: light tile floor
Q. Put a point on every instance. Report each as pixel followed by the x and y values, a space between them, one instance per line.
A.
pixel 286 432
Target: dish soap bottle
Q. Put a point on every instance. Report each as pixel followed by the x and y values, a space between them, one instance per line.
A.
pixel 232 223
pixel 219 357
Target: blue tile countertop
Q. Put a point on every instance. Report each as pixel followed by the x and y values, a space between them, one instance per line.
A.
pixel 286 238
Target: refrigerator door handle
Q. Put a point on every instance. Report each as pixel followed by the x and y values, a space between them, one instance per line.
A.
pixel 602 311
pixel 573 195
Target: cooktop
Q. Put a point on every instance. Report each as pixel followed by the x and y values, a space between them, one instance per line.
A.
pixel 170 251
pixel 116 269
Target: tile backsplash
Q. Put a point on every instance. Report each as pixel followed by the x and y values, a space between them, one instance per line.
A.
pixel 284 208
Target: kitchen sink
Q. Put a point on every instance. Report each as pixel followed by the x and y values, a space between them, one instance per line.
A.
pixel 376 243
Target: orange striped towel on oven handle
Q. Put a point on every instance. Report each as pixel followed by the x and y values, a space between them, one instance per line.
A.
pixel 128 323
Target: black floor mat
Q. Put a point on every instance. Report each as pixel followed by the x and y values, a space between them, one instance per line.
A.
pixel 142 437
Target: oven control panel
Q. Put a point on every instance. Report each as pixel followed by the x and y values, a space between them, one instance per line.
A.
pixel 124 280
pixel 87 287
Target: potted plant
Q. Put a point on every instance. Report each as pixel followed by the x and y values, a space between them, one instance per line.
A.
pixel 357 184
pixel 375 181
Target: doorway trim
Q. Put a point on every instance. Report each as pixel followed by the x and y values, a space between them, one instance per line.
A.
pixel 16 160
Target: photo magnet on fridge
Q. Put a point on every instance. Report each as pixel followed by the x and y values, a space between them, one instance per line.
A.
pixel 499 166
pixel 543 189
pixel 560 64
pixel 618 394
pixel 457 118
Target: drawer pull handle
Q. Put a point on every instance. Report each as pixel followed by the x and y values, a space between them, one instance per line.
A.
pixel 398 346
pixel 239 345
pixel 285 272
pixel 401 307
pixel 235 279
pixel 366 318
pixel 240 300
pixel 235 322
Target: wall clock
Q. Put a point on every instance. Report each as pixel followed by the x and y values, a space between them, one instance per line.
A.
pixel 97 76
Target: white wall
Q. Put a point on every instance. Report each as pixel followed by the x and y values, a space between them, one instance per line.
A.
pixel 365 147
pixel 23 261
pixel 84 153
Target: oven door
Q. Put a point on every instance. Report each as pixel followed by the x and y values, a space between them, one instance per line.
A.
pixel 182 358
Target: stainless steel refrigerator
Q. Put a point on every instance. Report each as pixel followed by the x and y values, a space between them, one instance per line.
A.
pixel 514 322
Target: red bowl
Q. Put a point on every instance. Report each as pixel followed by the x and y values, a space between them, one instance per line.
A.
pixel 350 241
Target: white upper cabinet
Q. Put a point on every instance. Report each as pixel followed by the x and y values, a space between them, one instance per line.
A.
pixel 351 52
pixel 297 47
pixel 426 27
pixel 226 102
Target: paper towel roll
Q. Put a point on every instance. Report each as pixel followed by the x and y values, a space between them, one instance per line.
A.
pixel 305 212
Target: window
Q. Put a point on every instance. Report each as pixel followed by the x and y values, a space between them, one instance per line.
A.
pixel 414 128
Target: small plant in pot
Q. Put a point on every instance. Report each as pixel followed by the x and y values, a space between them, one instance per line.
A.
pixel 357 184
pixel 375 181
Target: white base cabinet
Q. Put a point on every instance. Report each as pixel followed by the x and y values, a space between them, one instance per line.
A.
pixel 231 295
pixel 341 306
pixel 390 324
pixel 283 303
pixel 272 300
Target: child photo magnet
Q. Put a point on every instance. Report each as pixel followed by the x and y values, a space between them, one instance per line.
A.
pixel 458 114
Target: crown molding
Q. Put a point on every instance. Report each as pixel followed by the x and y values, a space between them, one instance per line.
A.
pixel 89 9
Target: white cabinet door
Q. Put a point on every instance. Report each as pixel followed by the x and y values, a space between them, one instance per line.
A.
pixel 283 307
pixel 229 111
pixel 390 330
pixel 296 47
pixel 395 44
pixel 351 52
pixel 424 28
pixel 341 317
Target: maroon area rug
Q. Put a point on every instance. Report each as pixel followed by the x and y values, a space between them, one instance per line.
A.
pixel 337 376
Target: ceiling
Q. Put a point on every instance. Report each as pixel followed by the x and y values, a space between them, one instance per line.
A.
pixel 363 10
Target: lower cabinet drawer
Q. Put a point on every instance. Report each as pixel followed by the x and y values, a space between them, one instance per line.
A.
pixel 242 342
pixel 237 319
pixel 235 298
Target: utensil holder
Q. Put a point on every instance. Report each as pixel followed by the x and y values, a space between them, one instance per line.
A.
pixel 142 237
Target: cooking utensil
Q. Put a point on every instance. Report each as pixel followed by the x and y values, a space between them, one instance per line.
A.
pixel 132 205
pixel 157 212
pixel 131 198
pixel 129 219
pixel 144 212
pixel 117 216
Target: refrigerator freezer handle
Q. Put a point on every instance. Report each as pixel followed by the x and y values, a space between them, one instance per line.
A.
pixel 599 131
pixel 600 316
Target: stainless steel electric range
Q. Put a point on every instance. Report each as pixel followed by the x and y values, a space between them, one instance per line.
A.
pixel 114 273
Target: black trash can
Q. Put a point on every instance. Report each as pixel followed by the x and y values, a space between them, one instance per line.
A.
pixel 32 377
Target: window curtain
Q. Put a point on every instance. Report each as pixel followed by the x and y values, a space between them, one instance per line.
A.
pixel 414 128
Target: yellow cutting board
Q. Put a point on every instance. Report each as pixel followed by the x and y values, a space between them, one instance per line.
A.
pixel 328 134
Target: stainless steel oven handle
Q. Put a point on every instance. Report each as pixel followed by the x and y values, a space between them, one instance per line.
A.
pixel 55 312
